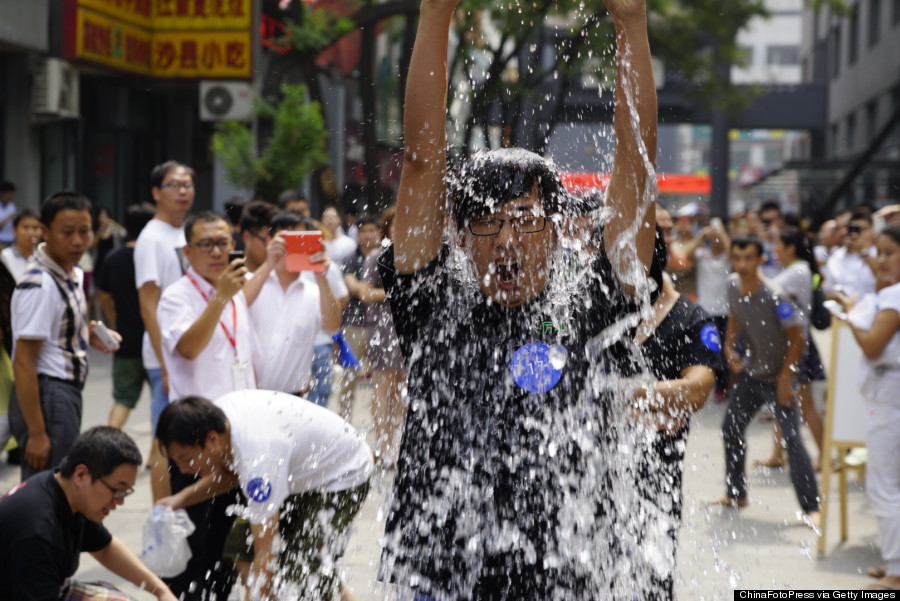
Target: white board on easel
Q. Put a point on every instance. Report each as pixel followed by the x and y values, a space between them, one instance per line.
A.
pixel 845 400
pixel 845 420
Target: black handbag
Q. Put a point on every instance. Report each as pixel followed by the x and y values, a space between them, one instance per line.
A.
pixel 820 317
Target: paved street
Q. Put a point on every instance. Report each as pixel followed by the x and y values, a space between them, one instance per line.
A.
pixel 764 546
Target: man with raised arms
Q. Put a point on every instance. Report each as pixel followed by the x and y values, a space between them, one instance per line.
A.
pixel 504 458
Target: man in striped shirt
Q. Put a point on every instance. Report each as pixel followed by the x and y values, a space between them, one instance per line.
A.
pixel 51 335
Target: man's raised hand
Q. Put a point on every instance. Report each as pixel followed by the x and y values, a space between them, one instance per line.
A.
pixel 625 9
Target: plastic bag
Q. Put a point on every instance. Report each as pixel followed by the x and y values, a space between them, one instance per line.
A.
pixel 166 551
pixel 346 358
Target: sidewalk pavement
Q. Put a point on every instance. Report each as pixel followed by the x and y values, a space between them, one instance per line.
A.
pixel 764 546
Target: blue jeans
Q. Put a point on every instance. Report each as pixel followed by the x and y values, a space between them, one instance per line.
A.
pixel 322 375
pixel 158 399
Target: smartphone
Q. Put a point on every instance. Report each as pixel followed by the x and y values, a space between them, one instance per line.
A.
pixel 235 254
pixel 300 246
pixel 102 332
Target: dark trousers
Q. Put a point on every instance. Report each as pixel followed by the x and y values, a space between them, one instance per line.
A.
pixel 61 406
pixel 749 396
pixel 208 577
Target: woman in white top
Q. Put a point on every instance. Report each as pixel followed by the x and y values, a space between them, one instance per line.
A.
pixel 881 345
pixel 794 250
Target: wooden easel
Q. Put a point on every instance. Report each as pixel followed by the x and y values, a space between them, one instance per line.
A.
pixel 844 421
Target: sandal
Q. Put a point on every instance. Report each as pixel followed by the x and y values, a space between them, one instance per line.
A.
pixel 877 572
pixel 771 463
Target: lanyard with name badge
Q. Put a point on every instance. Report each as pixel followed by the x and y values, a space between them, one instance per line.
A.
pixel 238 368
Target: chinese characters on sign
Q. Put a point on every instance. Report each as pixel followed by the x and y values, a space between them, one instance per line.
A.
pixel 163 38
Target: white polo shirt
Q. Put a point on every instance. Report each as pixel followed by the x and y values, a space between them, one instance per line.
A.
pixel 849 271
pixel 221 367
pixel 282 445
pixel 286 323
pixel 335 278
pixel 15 261
pixel 158 259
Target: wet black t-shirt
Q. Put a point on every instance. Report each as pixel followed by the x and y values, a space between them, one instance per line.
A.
pixel 505 432
pixel 41 539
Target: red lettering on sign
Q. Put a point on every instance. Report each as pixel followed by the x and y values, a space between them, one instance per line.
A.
pixel 165 55
pixel 137 51
pixel 236 8
pixel 235 55
pixel 182 7
pixel 211 55
pixel 188 54
pixel 199 8
pixel 164 8
pixel 97 39
pixel 216 8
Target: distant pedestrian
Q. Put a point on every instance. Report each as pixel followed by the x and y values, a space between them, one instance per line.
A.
pixel 7 213
pixel 158 262
pixel 775 341
pixel 27 229
pixel 121 305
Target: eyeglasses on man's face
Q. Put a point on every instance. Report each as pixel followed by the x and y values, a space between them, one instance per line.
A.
pixel 223 244
pixel 118 494
pixel 491 226
pixel 178 185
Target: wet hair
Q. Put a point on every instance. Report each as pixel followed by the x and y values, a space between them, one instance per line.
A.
pixel 64 200
pixel 892 232
pixel 101 450
pixel 188 421
pixel 201 217
pixel 746 241
pixel 289 196
pixel 136 217
pixel 234 207
pixel 660 248
pixel 490 179
pixel 257 214
pixel 159 173
pixel 24 214
pixel 792 236
pixel 7 186
pixel 290 220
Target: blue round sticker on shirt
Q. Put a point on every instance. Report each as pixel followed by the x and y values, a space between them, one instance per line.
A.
pixel 537 367
pixel 709 336
pixel 259 489
pixel 784 310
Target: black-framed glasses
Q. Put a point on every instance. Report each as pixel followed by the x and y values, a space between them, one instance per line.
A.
pixel 491 226
pixel 180 185
pixel 855 228
pixel 223 244
pixel 118 494
pixel 264 237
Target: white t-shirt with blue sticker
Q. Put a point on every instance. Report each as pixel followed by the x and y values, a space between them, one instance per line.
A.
pixel 284 445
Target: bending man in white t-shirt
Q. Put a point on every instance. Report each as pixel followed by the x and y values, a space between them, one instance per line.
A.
pixel 305 473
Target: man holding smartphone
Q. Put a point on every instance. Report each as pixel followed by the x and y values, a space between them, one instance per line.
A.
pixel 289 311
pixel 208 346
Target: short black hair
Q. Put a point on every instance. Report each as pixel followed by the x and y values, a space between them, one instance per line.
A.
pixel 7 186
pixel 368 219
pixel 861 216
pixel 159 173
pixel 770 205
pixel 234 207
pixel 136 217
pixel 745 241
pixel 24 214
pixel 101 449
pixel 201 217
pixel 64 200
pixel 188 421
pixel 257 214
pixel 290 220
pixel 490 179
pixel 289 196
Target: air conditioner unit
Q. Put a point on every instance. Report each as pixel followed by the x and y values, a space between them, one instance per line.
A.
pixel 226 101
pixel 55 93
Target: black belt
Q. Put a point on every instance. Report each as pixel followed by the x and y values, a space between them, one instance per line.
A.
pixel 72 383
